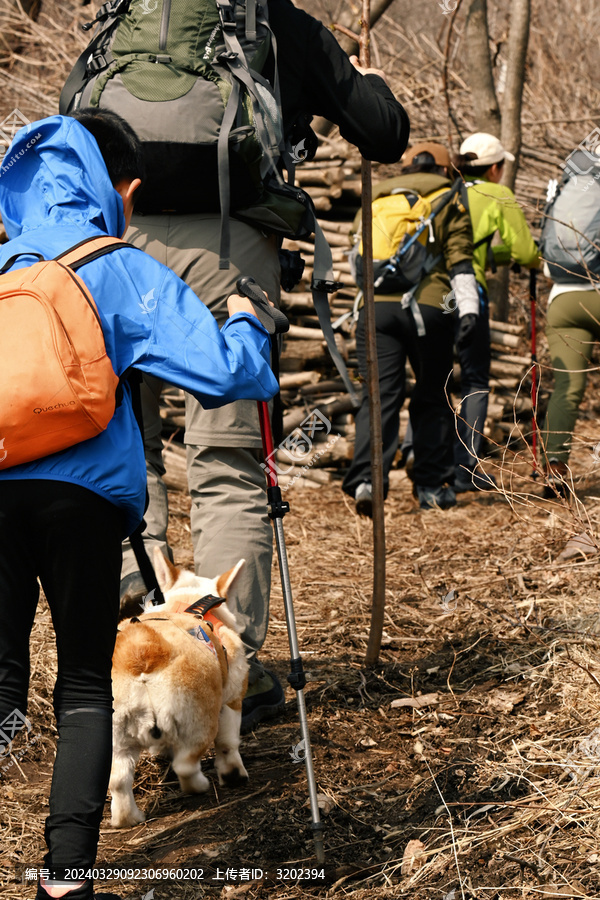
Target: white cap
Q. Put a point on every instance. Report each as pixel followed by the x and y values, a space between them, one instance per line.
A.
pixel 487 149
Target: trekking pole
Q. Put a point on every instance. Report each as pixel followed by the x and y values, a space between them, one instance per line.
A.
pixel 378 602
pixel 277 509
pixel 534 385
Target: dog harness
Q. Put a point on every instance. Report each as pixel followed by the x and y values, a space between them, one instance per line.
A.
pixel 200 609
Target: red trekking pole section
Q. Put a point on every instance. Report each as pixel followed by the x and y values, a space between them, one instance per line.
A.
pixel 267 442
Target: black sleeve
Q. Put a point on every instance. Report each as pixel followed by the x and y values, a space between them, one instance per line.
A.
pixel 317 78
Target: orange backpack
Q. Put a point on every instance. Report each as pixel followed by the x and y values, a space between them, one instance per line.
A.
pixel 58 384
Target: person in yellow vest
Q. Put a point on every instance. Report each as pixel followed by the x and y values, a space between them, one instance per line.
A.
pixel 493 210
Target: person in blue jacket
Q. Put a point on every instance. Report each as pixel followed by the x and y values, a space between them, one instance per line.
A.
pixel 63 517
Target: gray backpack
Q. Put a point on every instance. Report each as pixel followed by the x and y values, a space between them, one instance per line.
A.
pixel 570 240
pixel 197 81
pixel 191 80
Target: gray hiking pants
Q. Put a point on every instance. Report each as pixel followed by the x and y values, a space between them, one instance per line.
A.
pixel 227 485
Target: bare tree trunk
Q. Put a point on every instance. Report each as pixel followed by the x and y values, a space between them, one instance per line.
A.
pixel 31 7
pixel 350 19
pixel 481 77
pixel 518 39
pixel 510 134
pixel 9 39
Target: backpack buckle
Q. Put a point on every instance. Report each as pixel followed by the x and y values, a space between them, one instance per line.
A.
pixel 97 63
pixel 227 56
pixel 329 287
pixel 112 8
pixel 226 14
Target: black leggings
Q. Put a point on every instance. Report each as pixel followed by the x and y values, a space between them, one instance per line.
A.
pixel 431 415
pixel 70 538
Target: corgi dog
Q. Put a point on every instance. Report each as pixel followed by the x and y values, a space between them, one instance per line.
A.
pixel 178 683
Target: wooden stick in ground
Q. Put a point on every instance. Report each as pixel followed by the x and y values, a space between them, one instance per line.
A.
pixel 377 608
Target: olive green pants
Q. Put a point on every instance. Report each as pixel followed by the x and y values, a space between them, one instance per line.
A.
pixel 572 328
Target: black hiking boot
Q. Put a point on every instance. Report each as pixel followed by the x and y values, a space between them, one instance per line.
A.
pixel 264 700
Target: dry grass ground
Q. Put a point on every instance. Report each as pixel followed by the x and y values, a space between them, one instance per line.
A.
pixel 493 770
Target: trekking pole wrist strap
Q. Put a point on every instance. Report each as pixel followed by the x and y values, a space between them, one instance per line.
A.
pixel 273 319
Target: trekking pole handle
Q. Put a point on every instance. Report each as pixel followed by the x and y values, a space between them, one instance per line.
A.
pixel 272 318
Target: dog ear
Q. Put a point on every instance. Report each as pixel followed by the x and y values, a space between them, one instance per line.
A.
pixel 166 572
pixel 225 580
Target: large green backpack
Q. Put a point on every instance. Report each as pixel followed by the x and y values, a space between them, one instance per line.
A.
pixel 188 77
pixel 197 81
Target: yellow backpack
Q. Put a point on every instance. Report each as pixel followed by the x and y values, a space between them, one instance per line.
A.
pixel 399 215
pixel 402 227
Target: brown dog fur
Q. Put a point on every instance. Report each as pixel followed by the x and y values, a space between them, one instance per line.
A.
pixel 173 695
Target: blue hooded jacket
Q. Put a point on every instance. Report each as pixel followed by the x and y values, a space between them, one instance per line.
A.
pixel 55 192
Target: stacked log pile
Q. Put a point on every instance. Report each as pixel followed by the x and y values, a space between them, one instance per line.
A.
pixel 317 447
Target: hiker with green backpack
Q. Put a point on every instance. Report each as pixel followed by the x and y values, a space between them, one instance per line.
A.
pixel 423 250
pixel 222 94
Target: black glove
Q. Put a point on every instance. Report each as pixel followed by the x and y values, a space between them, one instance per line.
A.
pixel 272 318
pixel 466 330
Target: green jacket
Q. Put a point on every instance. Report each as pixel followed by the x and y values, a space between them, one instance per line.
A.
pixel 493 208
pixel 452 232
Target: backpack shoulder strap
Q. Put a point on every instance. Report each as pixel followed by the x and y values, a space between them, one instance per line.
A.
pixel 75 256
pixel 92 59
pixel 455 188
pixel 323 284
pixel 89 249
pixel 133 377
